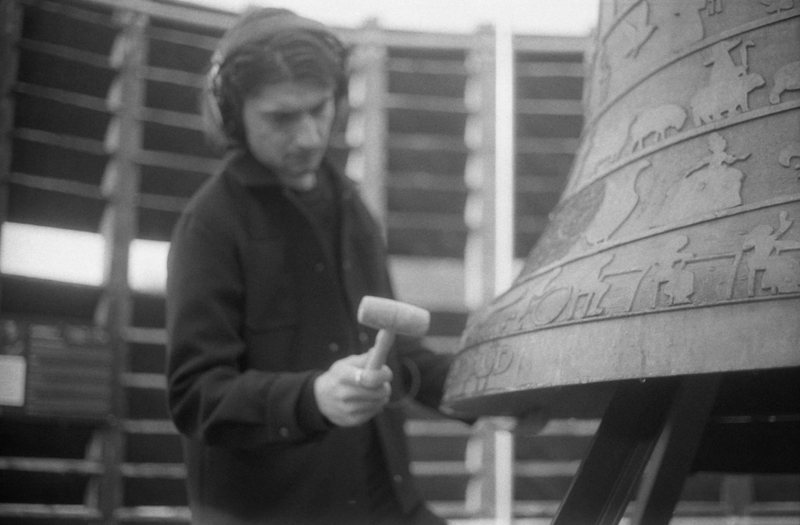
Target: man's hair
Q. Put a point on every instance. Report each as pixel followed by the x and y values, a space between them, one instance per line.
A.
pixel 268 46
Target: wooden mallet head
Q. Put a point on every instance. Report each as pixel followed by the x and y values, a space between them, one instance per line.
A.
pixel 390 318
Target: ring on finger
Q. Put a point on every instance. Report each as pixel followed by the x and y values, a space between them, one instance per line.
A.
pixel 359 373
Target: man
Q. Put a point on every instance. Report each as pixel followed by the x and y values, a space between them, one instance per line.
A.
pixel 281 421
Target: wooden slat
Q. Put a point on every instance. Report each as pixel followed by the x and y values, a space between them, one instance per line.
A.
pixel 544 145
pixel 67 53
pixel 154 514
pixel 67 187
pixel 171 76
pixel 426 142
pixel 546 469
pixel 438 468
pixel 177 161
pixel 34 510
pixel 71 11
pixel 426 66
pixel 539 184
pixel 425 103
pixel 182 38
pixel 62 96
pixel 549 107
pixel 149 426
pixel 154 470
pixel 51 465
pixel 162 202
pixel 424 181
pixel 72 142
pixel 171 118
pixel 151 336
pixel 436 427
pixel 184 13
pixel 425 221
pixel 550 69
pixel 150 381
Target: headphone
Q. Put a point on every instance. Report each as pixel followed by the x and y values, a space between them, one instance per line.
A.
pixel 257 26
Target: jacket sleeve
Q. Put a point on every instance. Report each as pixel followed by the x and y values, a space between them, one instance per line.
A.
pixel 424 371
pixel 211 396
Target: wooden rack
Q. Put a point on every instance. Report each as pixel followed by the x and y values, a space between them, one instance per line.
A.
pixel 101 133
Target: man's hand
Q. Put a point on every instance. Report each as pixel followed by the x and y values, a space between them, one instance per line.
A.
pixel 349 395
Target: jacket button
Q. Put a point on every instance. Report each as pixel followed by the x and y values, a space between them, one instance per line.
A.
pixel 397 478
pixel 284 432
pixel 319 267
pixel 363 337
pixel 333 347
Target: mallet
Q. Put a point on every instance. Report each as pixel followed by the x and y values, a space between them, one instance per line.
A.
pixel 390 318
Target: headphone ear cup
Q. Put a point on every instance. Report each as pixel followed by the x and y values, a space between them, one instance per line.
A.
pixel 213 120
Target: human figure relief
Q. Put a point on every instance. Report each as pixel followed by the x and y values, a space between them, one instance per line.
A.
pixel 619 200
pixel 787 78
pixel 723 66
pixel 709 185
pixel 781 273
pixel 592 289
pixel 636 30
pixel 729 85
pixel 622 5
pixel 603 77
pixel 713 7
pixel 776 6
pixel 670 270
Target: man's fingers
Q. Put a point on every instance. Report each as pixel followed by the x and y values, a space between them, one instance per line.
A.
pixel 371 379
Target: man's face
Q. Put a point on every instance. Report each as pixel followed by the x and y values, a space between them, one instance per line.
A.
pixel 288 126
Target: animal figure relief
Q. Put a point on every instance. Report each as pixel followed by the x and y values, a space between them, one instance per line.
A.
pixel 780 273
pixel 729 87
pixel 787 78
pixel 619 201
pixel 709 185
pixel 656 121
pixel 789 152
pixel 776 6
pixel 636 30
pixel 670 271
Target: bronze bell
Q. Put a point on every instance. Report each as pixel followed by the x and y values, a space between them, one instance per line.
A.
pixel 675 247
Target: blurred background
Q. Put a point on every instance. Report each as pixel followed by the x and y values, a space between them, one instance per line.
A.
pixel 28 250
pixel 465 118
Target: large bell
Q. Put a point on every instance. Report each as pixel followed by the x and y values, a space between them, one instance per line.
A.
pixel 675 248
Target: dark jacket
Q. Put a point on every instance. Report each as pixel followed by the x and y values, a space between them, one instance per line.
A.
pixel 256 310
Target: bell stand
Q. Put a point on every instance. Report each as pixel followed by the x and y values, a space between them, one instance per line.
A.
pixel 656 431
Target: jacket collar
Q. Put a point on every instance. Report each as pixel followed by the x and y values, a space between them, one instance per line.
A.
pixel 248 172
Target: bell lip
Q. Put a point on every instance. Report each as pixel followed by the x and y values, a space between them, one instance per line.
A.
pixel 762 390
pixel 575 360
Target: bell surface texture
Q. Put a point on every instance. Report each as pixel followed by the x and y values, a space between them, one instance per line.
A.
pixel 675 247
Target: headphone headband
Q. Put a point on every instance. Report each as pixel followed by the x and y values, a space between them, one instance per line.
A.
pixel 253 30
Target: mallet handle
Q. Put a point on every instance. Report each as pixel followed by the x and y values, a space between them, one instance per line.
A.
pixel 378 353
